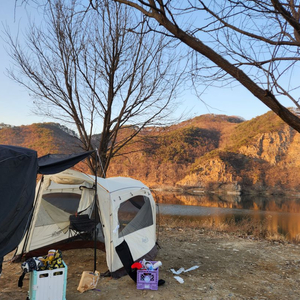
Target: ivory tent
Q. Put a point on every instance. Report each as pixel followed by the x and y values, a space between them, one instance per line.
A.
pixel 67 212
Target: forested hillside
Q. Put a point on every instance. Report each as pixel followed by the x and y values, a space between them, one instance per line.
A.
pixel 209 152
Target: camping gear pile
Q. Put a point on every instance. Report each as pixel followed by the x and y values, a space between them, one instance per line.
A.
pixel 48 276
pixel 147 274
pixel 53 260
pixel 70 209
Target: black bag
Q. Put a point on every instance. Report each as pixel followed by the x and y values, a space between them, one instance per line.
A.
pixel 29 265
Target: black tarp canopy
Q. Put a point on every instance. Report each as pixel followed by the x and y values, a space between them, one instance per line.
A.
pixel 18 172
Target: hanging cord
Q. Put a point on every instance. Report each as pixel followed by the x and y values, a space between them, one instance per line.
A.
pixel 88 188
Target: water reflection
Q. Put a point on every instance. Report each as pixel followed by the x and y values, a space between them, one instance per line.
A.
pixel 278 214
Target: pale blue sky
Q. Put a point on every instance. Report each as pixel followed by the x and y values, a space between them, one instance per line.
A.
pixel 16 104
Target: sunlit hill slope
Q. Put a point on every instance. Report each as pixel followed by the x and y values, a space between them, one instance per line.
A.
pixel 209 152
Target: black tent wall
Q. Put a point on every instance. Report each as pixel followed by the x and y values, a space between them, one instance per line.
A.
pixel 55 163
pixel 18 171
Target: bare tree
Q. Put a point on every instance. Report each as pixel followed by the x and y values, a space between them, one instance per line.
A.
pixel 92 68
pixel 255 43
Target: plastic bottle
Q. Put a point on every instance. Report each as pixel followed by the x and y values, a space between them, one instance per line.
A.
pixel 157 264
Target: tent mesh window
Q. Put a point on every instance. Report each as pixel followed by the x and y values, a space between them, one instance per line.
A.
pixel 56 208
pixel 67 202
pixel 134 214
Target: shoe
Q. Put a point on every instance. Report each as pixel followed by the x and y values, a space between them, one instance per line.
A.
pixel 160 282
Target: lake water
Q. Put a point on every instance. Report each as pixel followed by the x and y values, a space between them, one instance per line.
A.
pixel 277 214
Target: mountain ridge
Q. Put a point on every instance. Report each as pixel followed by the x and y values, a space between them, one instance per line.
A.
pixel 210 152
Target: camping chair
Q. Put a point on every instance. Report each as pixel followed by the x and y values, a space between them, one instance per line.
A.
pixel 81 224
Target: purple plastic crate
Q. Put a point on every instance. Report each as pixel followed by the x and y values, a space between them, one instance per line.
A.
pixel 147 280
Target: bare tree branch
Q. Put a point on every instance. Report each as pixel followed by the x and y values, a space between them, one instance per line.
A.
pixel 88 67
pixel 240 38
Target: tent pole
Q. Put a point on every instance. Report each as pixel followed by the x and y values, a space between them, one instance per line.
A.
pixel 96 213
pixel 29 224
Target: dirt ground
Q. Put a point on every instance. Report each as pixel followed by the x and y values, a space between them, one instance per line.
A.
pixel 230 267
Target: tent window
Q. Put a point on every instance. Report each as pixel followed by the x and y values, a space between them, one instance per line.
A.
pixel 67 202
pixel 134 214
pixel 56 208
